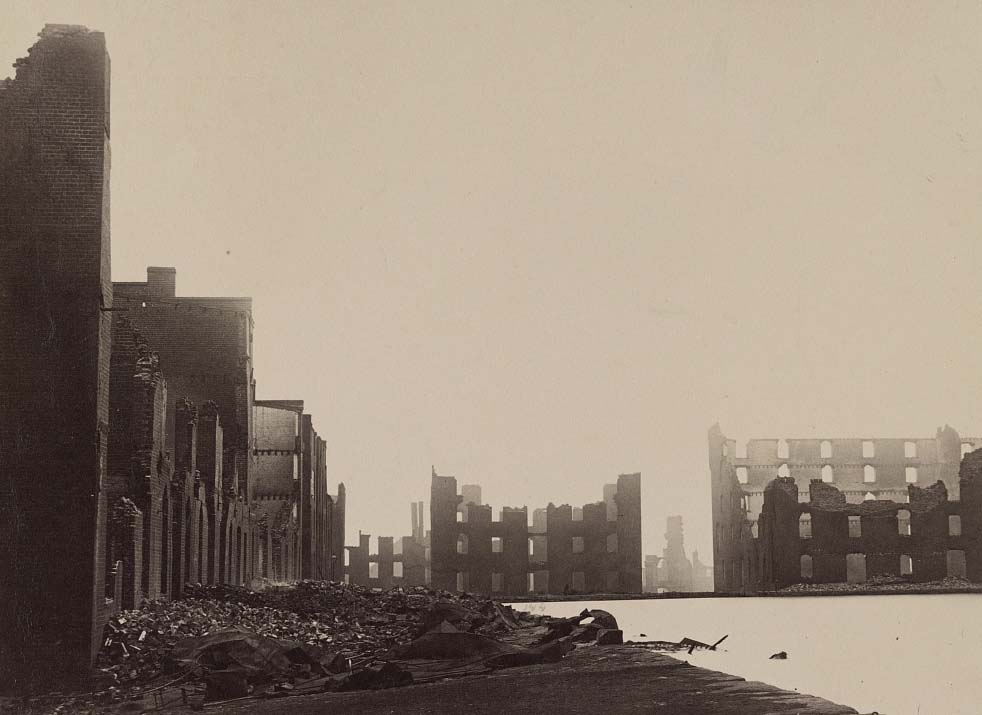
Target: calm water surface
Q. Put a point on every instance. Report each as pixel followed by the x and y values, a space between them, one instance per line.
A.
pixel 896 655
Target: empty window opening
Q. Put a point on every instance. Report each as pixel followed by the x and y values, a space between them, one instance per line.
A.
pixel 825 449
pixel 577 513
pixel 612 543
pixel 903 522
pixel 753 529
pixel 579 581
pixel 954 525
pixel 806 566
pixel 910 473
pixel 397 569
pixel 956 563
pixel 742 476
pixel 741 450
pixel 783 471
pixel 462 543
pixel 397 547
pixel 578 544
pixel 462 515
pixel 463 580
pixel 726 450
pixel 966 448
pixel 537 549
pixel 782 449
pixel 347 558
pixel 870 496
pixel 613 581
pixel 828 476
pixel 869 473
pixel 855 526
pixel 804 497
pixel 805 526
pixel 373 569
pixel 906 565
pixel 497 545
pixel 497 582
pixel 910 450
pixel 869 450
pixel 856 568
pixel 531 583
pixel 347 578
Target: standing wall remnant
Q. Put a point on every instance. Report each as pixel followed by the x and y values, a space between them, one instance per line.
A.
pixel 596 549
pixel 838 510
pixel 56 332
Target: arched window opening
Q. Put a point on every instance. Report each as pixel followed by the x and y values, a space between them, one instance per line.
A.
pixel 828 476
pixel 903 522
pixel 742 476
pixel 805 526
pixel 782 449
pixel 855 527
pixel 906 565
pixel 910 474
pixel 826 449
pixel 869 473
pixel 783 471
pixel 954 525
pixel 910 450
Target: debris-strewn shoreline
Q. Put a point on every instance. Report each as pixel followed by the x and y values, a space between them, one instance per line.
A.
pixel 221 647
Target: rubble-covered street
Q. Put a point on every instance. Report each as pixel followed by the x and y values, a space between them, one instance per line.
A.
pixel 221 643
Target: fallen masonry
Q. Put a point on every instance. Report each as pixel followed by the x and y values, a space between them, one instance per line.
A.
pixel 221 643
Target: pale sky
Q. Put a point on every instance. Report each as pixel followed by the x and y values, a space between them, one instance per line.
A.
pixel 541 244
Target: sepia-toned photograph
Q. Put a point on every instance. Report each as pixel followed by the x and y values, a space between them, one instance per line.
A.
pixel 542 357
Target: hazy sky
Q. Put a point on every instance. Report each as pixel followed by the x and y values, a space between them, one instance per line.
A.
pixel 540 244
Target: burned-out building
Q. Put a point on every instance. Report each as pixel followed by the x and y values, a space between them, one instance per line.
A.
pixel 56 330
pixel 593 549
pixel 402 561
pixel 277 494
pixel 127 463
pixel 849 496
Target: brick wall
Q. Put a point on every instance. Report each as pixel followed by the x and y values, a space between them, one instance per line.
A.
pixel 54 367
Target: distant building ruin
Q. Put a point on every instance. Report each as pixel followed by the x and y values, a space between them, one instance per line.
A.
pixel 593 549
pixel 837 510
pixel 673 572
pixel 402 561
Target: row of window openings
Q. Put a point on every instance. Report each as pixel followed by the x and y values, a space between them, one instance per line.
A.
pixel 577 545
pixel 828 474
pixel 956 564
pixel 856 525
pixel 396 569
pixel 825 449
pixel 577 581
pixel 576 516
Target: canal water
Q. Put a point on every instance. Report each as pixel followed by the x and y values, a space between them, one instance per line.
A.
pixel 895 655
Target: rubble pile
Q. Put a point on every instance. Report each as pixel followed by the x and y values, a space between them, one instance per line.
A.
pixel 885 584
pixel 222 643
pixel 356 623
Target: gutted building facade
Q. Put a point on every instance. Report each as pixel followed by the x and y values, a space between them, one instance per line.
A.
pixel 846 491
pixel 592 549
pixel 127 466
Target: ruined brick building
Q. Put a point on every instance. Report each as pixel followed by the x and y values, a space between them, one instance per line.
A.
pixel 402 561
pixel 593 549
pixel 836 510
pixel 129 459
pixel 56 332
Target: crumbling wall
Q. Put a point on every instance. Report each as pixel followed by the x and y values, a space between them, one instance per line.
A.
pixel 54 366
pixel 600 552
pixel 814 541
pixel 138 466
